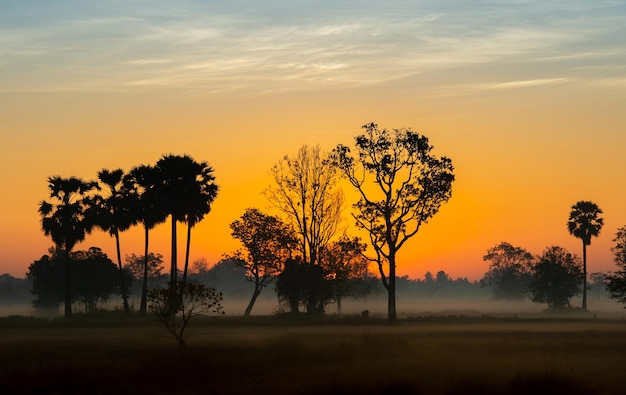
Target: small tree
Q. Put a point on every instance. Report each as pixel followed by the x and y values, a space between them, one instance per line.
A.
pixel 192 300
pixel 556 278
pixel 267 242
pixel 509 272
pixel 401 186
pixel 346 269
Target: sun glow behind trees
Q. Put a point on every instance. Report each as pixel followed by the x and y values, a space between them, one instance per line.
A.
pixel 516 103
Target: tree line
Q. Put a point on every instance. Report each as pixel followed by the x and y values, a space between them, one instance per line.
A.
pixel 556 275
pixel 401 185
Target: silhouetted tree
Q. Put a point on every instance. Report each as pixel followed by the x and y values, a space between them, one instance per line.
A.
pixel 401 185
pixel 202 193
pixel 113 214
pixel 305 189
pixel 616 281
pixel 510 271
pixel 193 300
pixel 93 278
pixel 346 269
pixel 64 219
pixel 267 243
pixel 301 283
pixel 149 210
pixel 584 223
pixel 556 277
pixel 187 190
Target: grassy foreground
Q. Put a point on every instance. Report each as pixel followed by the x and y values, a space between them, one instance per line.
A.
pixel 269 355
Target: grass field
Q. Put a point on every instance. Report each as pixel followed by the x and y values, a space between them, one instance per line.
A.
pixel 273 355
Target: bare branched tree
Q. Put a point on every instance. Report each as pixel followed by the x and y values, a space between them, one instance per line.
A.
pixel 305 190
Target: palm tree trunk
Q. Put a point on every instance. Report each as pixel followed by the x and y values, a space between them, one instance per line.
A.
pixel 584 306
pixel 144 288
pixel 122 282
pixel 174 266
pixel 189 225
pixel 68 299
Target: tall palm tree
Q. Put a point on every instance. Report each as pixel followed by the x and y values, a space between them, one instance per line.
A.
pixel 64 219
pixel 142 181
pixel 113 214
pixel 177 176
pixel 202 193
pixel 584 223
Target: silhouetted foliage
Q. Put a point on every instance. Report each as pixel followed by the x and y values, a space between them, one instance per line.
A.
pixel 113 213
pixel 302 283
pixel 510 271
pixel 557 275
pixel 191 300
pixel 93 279
pixel 584 223
pixel 616 281
pixel 267 243
pixel 305 189
pixel 64 219
pixel 401 185
pixel 346 269
pixel 149 209
pixel 187 190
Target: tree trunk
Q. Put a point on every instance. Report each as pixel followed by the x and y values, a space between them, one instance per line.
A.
pixel 187 252
pixel 68 299
pixel 339 305
pixel 122 282
pixel 257 292
pixel 584 306
pixel 391 302
pixel 174 265
pixel 144 287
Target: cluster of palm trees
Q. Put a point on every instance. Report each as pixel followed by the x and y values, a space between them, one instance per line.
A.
pixel 177 187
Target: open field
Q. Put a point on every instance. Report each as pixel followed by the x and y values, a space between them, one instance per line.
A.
pixel 274 355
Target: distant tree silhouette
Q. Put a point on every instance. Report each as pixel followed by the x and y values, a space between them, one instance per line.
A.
pixel 113 214
pixel 143 181
pixel 64 219
pixel 302 283
pixel 510 271
pixel 616 281
pixel 93 278
pixel 556 277
pixel 305 189
pixel 267 242
pixel 584 223
pixel 401 185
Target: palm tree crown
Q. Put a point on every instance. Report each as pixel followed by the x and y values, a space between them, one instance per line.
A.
pixel 585 221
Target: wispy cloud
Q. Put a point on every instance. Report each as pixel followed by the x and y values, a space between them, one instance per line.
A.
pixel 304 48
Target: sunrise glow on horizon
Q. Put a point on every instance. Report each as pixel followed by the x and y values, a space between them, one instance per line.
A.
pixel 526 98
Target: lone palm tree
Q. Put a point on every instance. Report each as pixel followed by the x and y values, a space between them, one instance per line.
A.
pixel 584 223
pixel 113 214
pixel 141 181
pixel 64 218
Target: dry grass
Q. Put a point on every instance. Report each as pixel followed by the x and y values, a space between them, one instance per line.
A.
pixel 326 356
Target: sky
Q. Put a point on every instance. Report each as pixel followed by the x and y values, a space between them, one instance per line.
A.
pixel 526 97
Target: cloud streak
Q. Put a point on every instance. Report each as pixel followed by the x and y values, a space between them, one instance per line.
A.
pixel 222 49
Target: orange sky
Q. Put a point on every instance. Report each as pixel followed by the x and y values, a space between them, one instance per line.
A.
pixel 527 102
